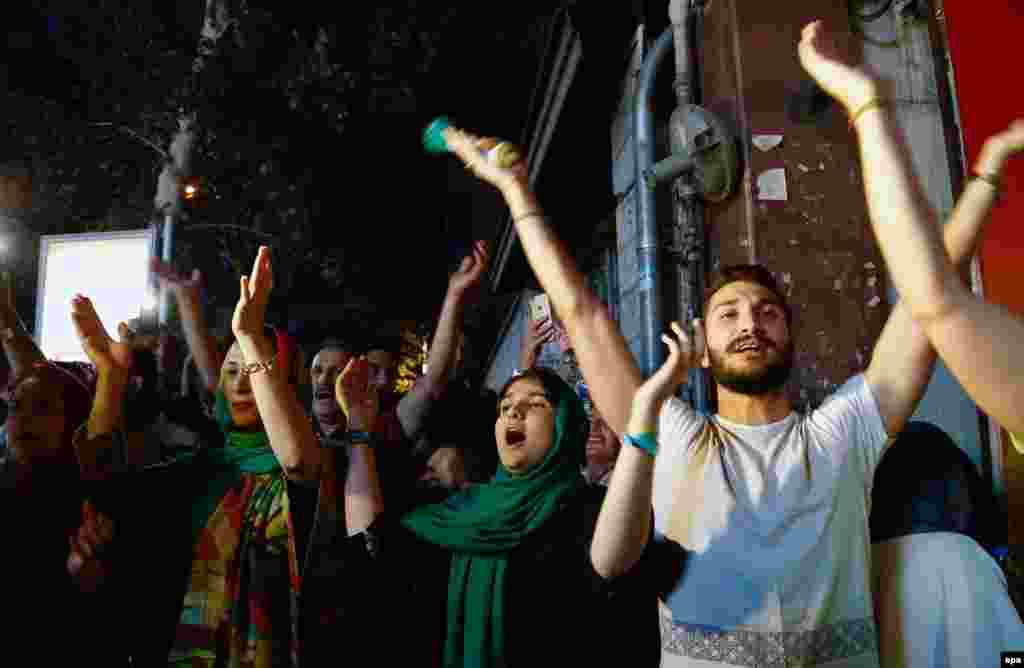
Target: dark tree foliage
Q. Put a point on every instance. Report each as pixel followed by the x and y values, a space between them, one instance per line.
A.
pixel 309 118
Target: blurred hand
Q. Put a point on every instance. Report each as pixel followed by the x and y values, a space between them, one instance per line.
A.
pixel 473 266
pixel 358 395
pixel 538 332
pixel 105 353
pixel 850 85
pixel 465 146
pixel 87 545
pixel 1000 147
pixel 685 353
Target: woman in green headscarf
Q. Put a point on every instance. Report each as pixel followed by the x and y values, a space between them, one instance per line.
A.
pixel 214 546
pixel 499 574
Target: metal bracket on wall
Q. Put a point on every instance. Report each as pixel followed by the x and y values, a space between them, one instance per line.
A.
pixel 703 147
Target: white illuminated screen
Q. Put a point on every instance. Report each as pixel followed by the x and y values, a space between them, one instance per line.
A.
pixel 111 269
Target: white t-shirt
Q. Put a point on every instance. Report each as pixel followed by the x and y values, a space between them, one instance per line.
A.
pixel 775 522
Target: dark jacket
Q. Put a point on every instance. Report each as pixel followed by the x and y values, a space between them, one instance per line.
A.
pixel 45 617
pixel 560 612
pixel 152 555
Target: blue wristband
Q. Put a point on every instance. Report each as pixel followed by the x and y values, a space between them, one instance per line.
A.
pixel 359 438
pixel 648 442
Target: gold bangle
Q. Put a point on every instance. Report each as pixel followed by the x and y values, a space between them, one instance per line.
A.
pixel 867 106
pixel 523 216
pixel 256 367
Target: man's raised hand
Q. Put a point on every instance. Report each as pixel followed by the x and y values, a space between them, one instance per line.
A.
pixel 684 353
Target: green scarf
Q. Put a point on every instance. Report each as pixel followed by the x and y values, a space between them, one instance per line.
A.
pixel 484 523
pixel 242 452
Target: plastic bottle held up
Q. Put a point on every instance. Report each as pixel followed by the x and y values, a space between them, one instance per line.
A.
pixel 500 153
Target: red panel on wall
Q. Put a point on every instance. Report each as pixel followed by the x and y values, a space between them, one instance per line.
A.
pixel 990 96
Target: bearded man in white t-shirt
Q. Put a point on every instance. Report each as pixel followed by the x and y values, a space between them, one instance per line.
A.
pixel 769 506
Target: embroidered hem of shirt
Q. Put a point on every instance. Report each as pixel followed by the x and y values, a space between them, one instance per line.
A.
pixel 764 649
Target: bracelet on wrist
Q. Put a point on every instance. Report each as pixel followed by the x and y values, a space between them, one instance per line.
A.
pixel 256 367
pixel 648 442
pixel 989 178
pixel 873 103
pixel 533 213
pixel 356 437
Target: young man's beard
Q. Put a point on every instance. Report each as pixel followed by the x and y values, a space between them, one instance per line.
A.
pixel 763 380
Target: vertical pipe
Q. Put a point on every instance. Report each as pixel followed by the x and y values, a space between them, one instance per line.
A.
pixel 689 218
pixel 647 250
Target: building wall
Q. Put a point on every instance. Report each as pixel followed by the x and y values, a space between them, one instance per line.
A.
pixel 817 240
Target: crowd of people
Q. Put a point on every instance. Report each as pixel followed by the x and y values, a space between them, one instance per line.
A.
pixel 234 526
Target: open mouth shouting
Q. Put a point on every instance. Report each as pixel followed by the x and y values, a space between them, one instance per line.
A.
pixel 751 346
pixel 515 437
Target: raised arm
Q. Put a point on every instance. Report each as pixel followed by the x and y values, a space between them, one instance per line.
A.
pixel 360 401
pixel 624 524
pixel 186 292
pixel 21 351
pixel 113 361
pixel 611 373
pixel 415 405
pixel 538 332
pixel 289 430
pixel 979 342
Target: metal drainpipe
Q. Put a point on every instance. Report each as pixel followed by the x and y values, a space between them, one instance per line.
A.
pixel 647 251
pixel 687 209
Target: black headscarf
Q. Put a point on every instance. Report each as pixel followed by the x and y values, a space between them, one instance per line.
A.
pixel 926 483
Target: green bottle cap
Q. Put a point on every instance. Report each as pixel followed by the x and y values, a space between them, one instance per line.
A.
pixel 433 137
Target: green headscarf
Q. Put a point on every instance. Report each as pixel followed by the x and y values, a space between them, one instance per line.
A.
pixel 242 452
pixel 483 524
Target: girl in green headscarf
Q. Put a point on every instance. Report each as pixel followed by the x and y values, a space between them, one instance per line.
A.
pixel 509 560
